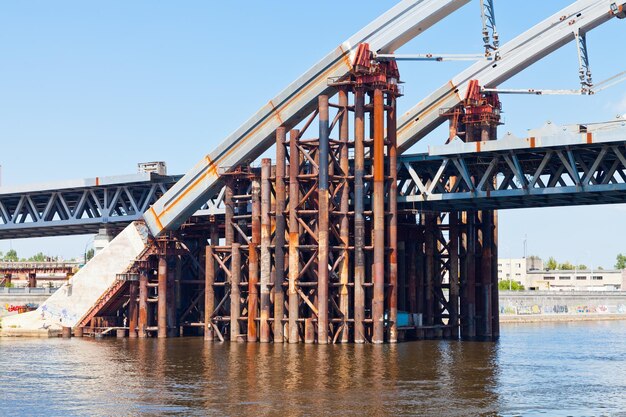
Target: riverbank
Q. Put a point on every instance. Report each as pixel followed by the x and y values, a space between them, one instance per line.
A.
pixel 20 300
pixel 560 318
pixel 553 306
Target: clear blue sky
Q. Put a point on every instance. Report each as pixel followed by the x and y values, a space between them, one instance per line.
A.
pixel 92 88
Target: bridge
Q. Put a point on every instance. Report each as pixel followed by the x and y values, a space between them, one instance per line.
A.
pixel 30 271
pixel 341 238
pixel 84 206
pixel 553 166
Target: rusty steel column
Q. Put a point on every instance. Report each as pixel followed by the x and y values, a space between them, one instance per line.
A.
pixel 393 218
pixel 359 218
pixel 32 280
pixel 378 304
pixel 172 328
pixel 485 276
pixel 344 228
pixel 294 258
pixel 266 258
pixel 235 292
pixel 143 303
pixel 214 232
pixel 279 240
pixel 470 282
pixel 132 309
pixel 420 265
pixel 209 292
pixel 453 273
pixel 162 299
pixel 495 300
pixel 66 332
pixel 323 222
pixel 253 261
pixel 429 250
pixel 229 212
pixel 412 274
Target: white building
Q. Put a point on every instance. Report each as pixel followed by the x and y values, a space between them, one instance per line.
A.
pixel 530 273
pixel 577 280
pixel 514 269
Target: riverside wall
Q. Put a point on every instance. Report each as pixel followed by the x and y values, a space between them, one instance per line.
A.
pixel 533 306
pixel 19 300
pixel 515 306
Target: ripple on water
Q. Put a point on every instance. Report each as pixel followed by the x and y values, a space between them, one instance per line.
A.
pixel 534 370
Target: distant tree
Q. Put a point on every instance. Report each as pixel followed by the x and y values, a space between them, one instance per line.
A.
pixel 89 254
pixel 600 268
pixel 551 264
pixel 567 266
pixel 582 267
pixel 621 261
pixel 11 256
pixel 507 284
pixel 39 257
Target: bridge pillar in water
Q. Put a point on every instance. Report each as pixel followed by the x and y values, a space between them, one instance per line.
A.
pixel 133 311
pixel 172 295
pixel 32 280
pixel 142 320
pixel 162 298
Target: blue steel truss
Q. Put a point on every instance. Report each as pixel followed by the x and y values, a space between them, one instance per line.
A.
pixel 84 206
pixel 576 165
pixel 563 169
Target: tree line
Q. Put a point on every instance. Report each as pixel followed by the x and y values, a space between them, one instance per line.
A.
pixel 12 256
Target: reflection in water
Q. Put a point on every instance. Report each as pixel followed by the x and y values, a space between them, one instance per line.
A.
pixel 534 369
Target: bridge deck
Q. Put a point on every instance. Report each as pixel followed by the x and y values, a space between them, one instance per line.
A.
pixel 558 166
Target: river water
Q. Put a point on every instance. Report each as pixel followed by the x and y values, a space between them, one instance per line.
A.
pixel 552 369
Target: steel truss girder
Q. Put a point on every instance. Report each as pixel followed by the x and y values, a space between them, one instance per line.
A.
pixel 581 174
pixel 79 209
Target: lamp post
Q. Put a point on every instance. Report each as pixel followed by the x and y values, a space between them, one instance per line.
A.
pixel 89 241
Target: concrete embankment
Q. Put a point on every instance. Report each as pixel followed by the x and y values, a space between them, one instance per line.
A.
pixel 18 300
pixel 539 306
pixel 73 300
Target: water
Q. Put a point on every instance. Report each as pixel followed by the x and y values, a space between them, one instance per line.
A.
pixel 558 369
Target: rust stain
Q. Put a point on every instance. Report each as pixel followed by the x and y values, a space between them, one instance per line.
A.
pixel 212 170
pixel 276 112
pixel 156 218
pixel 344 56
pixel 97 181
pixel 589 137
pixel 212 166
pixel 532 142
pixel 478 146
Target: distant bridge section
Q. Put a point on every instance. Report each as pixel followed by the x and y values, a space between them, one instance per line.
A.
pixel 83 206
pixel 554 166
